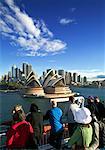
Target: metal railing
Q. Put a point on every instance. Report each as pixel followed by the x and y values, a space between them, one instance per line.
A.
pixel 43 141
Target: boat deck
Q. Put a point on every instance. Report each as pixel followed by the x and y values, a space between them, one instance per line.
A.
pixel 44 145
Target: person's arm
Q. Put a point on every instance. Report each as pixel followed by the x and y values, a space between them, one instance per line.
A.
pixel 75 137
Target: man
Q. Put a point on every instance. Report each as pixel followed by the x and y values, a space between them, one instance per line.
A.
pixel 92 106
pixel 69 113
pixel 55 115
pixel 100 107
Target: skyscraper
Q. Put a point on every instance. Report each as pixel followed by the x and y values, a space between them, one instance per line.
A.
pixel 62 73
pixel 79 78
pixel 13 71
pixel 75 77
pixel 85 79
pixel 27 68
pixel 67 78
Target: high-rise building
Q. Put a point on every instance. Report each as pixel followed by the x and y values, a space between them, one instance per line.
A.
pixel 70 74
pixel 79 78
pixel 26 69
pixel 9 74
pixel 75 77
pixel 85 79
pixel 62 73
pixel 29 68
pixel 13 71
pixel 67 78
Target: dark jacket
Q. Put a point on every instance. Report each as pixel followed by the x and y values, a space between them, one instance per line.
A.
pixel 36 120
pixel 102 133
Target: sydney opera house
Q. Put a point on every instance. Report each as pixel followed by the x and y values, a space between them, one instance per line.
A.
pixel 53 86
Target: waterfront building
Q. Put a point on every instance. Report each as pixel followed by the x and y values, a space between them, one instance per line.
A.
pixel 75 77
pixel 85 79
pixel 62 73
pixel 9 74
pixel 13 71
pixel 103 83
pixel 6 78
pixel 67 78
pixel 44 73
pixel 79 78
pixel 17 73
pixel 27 68
pixel 25 72
pixel 70 77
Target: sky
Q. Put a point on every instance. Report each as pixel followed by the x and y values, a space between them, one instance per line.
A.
pixel 58 34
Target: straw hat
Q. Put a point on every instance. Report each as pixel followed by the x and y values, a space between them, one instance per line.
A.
pixel 82 115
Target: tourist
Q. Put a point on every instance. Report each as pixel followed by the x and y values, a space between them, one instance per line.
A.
pixel 95 138
pixel 82 136
pixel 102 133
pixel 35 117
pixel 68 112
pixel 55 115
pixel 92 106
pixel 20 132
pixel 101 108
pixel 80 101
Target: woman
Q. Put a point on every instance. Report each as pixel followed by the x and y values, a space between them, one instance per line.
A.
pixel 20 132
pixel 82 136
pixel 35 117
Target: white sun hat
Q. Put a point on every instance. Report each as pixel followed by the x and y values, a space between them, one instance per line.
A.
pixel 82 115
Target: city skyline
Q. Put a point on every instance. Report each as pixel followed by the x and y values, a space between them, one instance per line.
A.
pixel 63 34
pixel 25 68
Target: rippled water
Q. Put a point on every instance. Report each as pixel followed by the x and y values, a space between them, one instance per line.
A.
pixel 8 100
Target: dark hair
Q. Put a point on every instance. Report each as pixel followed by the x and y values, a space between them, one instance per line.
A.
pixel 33 108
pixel 71 98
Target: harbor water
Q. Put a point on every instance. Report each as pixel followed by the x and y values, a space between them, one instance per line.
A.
pixel 8 100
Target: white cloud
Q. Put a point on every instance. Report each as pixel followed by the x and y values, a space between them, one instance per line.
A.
pixel 4 27
pixel 54 46
pixel 33 36
pixel 65 21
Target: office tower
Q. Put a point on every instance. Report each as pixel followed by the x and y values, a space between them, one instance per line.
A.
pixel 85 79
pixel 17 73
pixel 75 77
pixel 6 77
pixel 9 74
pixel 67 78
pixel 70 74
pixel 13 71
pixel 26 69
pixel 29 68
pixel 79 78
pixel 62 73
pixel 44 73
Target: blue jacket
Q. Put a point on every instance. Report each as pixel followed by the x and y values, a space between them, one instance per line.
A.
pixel 55 115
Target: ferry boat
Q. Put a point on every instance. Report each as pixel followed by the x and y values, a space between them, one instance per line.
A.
pixel 44 145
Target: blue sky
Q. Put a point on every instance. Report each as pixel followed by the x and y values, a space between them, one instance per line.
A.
pixel 59 34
